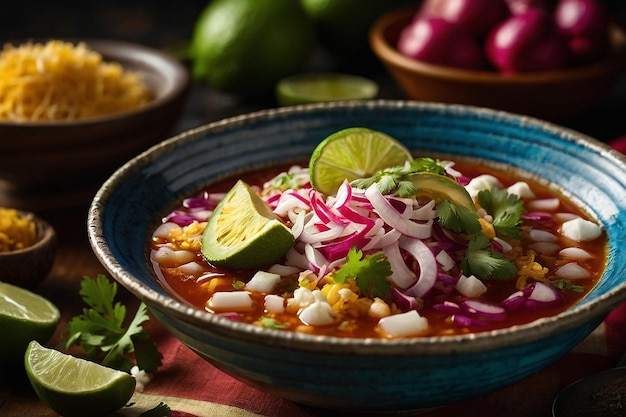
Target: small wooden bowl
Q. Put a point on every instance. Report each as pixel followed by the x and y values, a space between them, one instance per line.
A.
pixel 29 266
pixel 552 95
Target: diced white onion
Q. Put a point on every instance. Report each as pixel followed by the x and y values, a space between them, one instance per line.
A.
pixel 168 257
pixel 192 268
pixel 470 286
pixel 482 182
pixel 545 248
pixel 318 313
pixel 274 303
pixel 403 324
pixel 164 229
pixel 263 281
pixel 547 204
pixel 302 297
pixel 542 235
pixel 572 271
pixel 580 229
pixel 445 260
pixel 283 270
pixel 231 301
pixel 521 189
pixel 575 253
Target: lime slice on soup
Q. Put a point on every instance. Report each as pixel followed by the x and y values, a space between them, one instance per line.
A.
pixel 437 187
pixel 351 154
pixel 75 387
pixel 24 316
pixel 313 88
pixel 244 233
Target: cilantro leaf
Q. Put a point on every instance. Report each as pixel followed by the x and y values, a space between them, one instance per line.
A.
pixel 564 284
pixel 457 218
pixel 370 272
pixel 271 323
pixel 484 262
pixel 505 209
pixel 100 331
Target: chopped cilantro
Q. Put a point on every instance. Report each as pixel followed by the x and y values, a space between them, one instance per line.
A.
pixel 100 331
pixel 271 323
pixel 505 209
pixel 484 262
pixel 238 285
pixel 393 180
pixel 564 284
pixel 285 181
pixel 370 272
pixel 457 218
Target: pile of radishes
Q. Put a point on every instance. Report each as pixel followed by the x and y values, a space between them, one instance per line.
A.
pixel 509 36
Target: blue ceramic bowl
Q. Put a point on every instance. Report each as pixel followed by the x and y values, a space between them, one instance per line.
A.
pixel 348 374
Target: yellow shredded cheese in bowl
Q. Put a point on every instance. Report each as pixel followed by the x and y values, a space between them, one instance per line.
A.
pixel 16 231
pixel 60 81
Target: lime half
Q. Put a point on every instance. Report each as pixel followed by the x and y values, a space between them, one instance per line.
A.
pixel 244 233
pixel 75 387
pixel 351 154
pixel 313 88
pixel 24 316
pixel 439 187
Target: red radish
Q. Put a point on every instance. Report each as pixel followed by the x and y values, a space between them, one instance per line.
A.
pixel 527 42
pixel 585 25
pixel 440 42
pixel 479 16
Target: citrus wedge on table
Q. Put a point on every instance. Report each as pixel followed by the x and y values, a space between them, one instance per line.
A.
pixel 320 87
pixel 24 316
pixel 439 188
pixel 243 232
pixel 75 387
pixel 353 153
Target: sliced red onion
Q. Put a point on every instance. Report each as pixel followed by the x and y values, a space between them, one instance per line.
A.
pixel 402 276
pixel 465 321
pixel 447 307
pixel 538 216
pixel 392 217
pixel 515 301
pixel 534 296
pixel 483 310
pixel 427 266
pixel 403 301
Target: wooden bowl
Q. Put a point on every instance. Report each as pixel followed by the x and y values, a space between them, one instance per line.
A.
pixel 29 266
pixel 47 165
pixel 552 95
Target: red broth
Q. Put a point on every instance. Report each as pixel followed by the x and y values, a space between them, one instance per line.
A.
pixel 188 287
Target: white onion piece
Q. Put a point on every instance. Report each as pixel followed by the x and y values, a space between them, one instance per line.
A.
pixel 580 230
pixel 403 324
pixel 318 313
pixel 302 297
pixel 426 212
pixel 482 182
pixel 521 189
pixel 542 235
pixel 506 246
pixel 572 271
pixel 283 270
pixel 395 219
pixel 164 229
pixel 547 204
pixel 545 248
pixel 169 257
pixel 543 293
pixel 563 217
pixel 427 265
pixel 575 253
pixel 445 260
pixel 191 268
pixel 401 275
pixel 274 303
pixel 240 301
pixel 470 286
pixel 263 281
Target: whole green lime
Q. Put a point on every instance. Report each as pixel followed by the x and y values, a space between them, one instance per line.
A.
pixel 244 47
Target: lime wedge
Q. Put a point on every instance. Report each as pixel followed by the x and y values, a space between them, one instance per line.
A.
pixel 439 187
pixel 243 233
pixel 353 153
pixel 24 316
pixel 313 88
pixel 75 387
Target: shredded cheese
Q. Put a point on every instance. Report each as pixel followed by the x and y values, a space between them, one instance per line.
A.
pixel 16 231
pixel 59 81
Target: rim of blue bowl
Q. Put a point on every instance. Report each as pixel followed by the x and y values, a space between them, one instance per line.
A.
pixel 578 316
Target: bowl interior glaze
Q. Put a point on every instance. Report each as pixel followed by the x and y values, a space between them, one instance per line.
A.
pixel 131 203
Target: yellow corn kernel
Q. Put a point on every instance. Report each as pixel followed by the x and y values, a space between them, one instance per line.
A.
pixel 487 228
